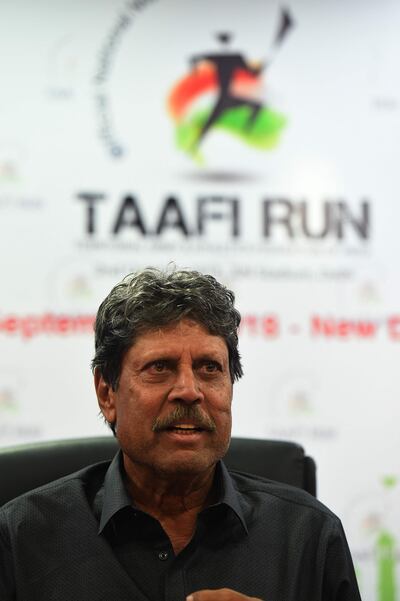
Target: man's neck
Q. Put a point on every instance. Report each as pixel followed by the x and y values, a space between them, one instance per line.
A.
pixel 173 499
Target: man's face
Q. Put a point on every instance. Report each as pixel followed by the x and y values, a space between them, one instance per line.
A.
pixel 172 407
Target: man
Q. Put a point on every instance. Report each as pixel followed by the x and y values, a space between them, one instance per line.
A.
pixel 165 520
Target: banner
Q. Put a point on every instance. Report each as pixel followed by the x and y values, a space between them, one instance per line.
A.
pixel 254 141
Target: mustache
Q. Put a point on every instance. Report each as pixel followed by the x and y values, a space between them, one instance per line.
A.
pixel 181 412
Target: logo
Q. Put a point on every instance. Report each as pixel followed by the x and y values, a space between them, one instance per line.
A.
pixel 8 401
pixel 295 409
pixel 374 530
pixel 16 425
pixel 223 91
pixel 72 285
pixel 10 385
pixel 162 116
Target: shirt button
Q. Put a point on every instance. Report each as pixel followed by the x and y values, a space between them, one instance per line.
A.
pixel 163 555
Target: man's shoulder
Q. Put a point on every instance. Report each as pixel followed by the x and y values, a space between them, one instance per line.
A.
pixel 56 497
pixel 272 495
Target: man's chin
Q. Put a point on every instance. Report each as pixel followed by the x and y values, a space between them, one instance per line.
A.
pixel 188 462
pixel 186 466
pixel 176 460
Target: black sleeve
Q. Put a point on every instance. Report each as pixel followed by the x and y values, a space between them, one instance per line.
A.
pixel 340 583
pixel 7 584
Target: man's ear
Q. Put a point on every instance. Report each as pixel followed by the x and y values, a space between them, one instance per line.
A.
pixel 105 397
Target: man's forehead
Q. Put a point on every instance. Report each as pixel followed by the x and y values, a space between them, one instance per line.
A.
pixel 185 329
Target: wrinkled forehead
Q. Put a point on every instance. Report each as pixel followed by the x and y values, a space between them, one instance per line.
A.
pixel 183 331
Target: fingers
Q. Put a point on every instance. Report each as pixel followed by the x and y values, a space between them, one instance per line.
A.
pixel 222 594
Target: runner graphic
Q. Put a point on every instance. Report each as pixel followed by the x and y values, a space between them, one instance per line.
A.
pixel 237 107
pixel 225 67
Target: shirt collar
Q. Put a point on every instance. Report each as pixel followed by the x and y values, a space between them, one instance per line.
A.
pixel 116 496
pixel 228 494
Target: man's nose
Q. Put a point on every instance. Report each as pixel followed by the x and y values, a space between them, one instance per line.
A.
pixel 186 386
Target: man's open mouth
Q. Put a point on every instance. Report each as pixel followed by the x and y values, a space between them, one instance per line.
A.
pixel 184 428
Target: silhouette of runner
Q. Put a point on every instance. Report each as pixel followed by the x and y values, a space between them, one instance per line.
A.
pixel 225 65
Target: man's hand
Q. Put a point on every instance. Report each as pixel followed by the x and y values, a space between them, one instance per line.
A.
pixel 221 594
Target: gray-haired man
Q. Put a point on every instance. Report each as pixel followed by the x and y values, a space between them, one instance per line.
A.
pixel 166 520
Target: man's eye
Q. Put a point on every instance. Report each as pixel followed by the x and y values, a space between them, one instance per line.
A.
pixel 158 366
pixel 211 366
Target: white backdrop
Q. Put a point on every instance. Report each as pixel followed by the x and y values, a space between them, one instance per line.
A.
pixel 299 215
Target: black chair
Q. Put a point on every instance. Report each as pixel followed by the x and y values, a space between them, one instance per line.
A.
pixel 25 467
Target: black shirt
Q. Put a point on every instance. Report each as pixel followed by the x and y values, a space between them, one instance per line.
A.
pixel 81 539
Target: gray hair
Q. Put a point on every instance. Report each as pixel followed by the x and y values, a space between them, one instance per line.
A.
pixel 152 298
